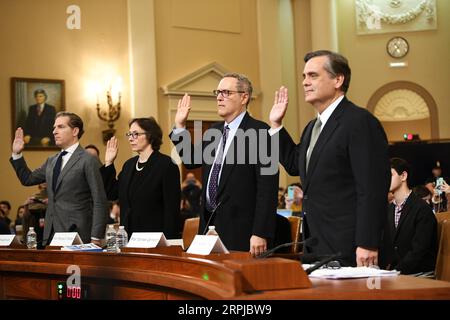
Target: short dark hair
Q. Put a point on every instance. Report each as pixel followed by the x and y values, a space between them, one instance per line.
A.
pixel 421 191
pixel 337 64
pixel 152 130
pixel 91 146
pixel 74 121
pixel 40 91
pixel 244 83
pixel 6 203
pixel 400 165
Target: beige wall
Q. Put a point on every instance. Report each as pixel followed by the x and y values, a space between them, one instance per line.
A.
pixel 395 130
pixel 37 44
pixel 188 39
pixel 428 59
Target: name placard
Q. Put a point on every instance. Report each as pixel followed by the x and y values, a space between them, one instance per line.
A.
pixel 7 240
pixel 147 240
pixel 61 239
pixel 205 245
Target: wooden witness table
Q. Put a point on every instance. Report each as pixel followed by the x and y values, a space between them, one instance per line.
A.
pixel 170 274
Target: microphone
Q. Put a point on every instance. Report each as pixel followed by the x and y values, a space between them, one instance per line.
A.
pixel 311 242
pixel 224 199
pixel 72 228
pixel 322 262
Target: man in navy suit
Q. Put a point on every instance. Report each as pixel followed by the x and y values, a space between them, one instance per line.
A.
pixel 38 127
pixel 239 197
pixel 343 163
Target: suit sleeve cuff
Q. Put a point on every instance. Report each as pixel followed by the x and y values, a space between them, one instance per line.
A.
pixel 176 131
pixel 16 156
pixel 274 131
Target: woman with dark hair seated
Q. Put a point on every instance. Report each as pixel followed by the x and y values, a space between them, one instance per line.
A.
pixel 148 187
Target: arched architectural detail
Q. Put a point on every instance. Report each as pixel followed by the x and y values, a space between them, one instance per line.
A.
pixel 421 91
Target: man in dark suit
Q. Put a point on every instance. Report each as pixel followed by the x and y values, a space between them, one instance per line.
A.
pixel 239 198
pixel 342 160
pixel 410 234
pixel 38 127
pixel 76 197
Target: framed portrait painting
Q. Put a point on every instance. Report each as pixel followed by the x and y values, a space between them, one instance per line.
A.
pixel 35 102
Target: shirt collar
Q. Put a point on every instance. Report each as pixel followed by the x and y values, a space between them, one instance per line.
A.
pixel 233 125
pixel 326 114
pixel 403 202
pixel 72 148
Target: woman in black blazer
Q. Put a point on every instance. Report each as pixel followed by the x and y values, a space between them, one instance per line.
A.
pixel 148 187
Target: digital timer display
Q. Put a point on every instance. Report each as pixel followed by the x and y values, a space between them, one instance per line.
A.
pixel 70 292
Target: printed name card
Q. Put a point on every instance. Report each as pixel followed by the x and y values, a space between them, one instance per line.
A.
pixel 61 239
pixel 8 239
pixel 205 245
pixel 147 240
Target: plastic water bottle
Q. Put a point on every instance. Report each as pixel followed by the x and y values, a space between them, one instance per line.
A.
pixel 212 231
pixel 31 239
pixel 121 238
pixel 110 239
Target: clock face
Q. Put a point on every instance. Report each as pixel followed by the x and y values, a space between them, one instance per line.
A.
pixel 397 47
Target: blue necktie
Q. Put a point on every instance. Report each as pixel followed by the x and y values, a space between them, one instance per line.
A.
pixel 213 185
pixel 57 169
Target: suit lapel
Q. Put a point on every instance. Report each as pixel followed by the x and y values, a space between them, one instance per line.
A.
pixel 50 182
pixel 325 135
pixel 229 164
pixel 73 159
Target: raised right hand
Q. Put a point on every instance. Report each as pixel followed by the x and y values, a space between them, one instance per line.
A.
pixel 112 147
pixel 18 143
pixel 184 106
pixel 279 108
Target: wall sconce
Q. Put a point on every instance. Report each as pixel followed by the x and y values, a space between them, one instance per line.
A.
pixel 110 116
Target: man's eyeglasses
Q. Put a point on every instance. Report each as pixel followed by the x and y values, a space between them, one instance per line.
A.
pixel 134 135
pixel 226 93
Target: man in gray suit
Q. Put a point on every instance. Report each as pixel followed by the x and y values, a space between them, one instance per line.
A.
pixel 76 197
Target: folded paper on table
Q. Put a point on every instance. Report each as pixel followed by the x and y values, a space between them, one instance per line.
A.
pixel 82 247
pixel 350 273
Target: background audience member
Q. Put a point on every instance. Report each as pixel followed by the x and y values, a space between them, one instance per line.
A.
pixel 191 190
pixel 114 212
pixel 6 207
pixel 4 227
pixel 423 193
pixel 434 184
pixel 295 203
pixel 410 234
pixel 93 150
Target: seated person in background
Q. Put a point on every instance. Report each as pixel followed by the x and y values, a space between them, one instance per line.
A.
pixel 191 190
pixel 423 193
pixel 446 189
pixel 19 216
pixel 6 207
pixel 295 203
pixel 410 234
pixel 439 198
pixel 114 212
pixel 35 208
pixel 4 227
pixel 281 192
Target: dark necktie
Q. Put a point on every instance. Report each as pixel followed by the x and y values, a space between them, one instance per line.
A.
pixel 314 136
pixel 57 169
pixel 213 185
